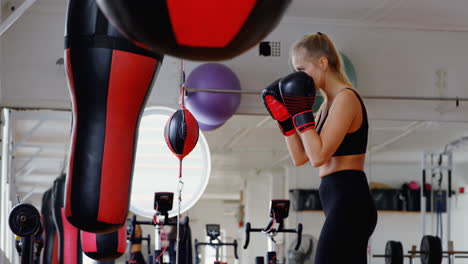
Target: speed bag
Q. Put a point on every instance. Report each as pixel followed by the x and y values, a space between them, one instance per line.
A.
pixel 181 133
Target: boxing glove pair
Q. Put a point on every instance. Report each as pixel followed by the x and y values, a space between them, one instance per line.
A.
pixel 289 101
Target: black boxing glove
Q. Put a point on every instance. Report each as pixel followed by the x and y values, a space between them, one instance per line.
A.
pixel 298 94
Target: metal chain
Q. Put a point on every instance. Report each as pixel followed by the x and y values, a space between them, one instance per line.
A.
pixel 179 191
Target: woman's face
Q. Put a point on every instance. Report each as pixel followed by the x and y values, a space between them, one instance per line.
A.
pixel 309 66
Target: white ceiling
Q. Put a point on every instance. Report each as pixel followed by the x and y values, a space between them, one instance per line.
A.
pixel 30 77
pixel 428 14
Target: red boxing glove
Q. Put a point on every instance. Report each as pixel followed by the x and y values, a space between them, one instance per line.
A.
pixel 274 104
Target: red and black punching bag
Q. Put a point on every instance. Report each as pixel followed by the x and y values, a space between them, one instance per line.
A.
pixel 49 255
pixel 109 80
pixel 181 133
pixel 69 246
pixel 104 247
pixel 196 29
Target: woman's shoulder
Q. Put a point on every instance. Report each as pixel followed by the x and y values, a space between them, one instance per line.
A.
pixel 347 95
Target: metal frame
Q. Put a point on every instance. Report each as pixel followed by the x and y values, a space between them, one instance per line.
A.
pixel 10 20
pixel 429 167
pixel 6 237
pixel 369 97
pixel 8 172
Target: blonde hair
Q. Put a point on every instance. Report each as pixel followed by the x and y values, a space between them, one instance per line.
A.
pixel 320 45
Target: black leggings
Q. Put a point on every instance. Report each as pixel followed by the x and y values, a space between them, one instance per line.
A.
pixel 350 218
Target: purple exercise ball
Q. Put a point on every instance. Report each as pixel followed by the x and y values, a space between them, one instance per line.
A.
pixel 210 108
pixel 205 127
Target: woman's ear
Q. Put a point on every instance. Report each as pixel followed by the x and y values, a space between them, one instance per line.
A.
pixel 323 62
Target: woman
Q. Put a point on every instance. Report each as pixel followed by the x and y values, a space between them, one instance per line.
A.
pixel 337 145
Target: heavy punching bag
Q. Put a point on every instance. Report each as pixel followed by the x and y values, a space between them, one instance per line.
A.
pixel 69 246
pixel 196 29
pixel 109 80
pixel 50 233
pixel 104 247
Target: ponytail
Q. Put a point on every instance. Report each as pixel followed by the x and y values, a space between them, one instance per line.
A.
pixel 320 45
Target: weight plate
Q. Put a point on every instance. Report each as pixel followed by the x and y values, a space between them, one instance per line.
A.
pixel 393 252
pixel 431 250
pixel 24 220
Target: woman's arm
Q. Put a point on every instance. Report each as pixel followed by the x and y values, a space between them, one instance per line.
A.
pixel 296 147
pixel 319 149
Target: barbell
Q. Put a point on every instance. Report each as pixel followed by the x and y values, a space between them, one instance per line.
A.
pixel 430 251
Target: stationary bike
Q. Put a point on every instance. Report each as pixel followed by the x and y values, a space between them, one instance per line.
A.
pixel 213 232
pixel 279 210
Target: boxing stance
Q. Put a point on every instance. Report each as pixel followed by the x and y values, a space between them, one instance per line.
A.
pixel 337 145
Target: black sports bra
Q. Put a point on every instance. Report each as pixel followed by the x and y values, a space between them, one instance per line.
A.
pixel 356 142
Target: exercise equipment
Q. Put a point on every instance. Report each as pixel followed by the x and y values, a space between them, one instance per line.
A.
pixel 162 205
pixel 151 157
pixel 212 110
pixel 259 260
pixel 25 221
pixel 50 232
pixel 437 166
pixel 430 252
pixel 213 232
pixel 279 210
pixel 181 133
pixel 131 223
pixel 104 247
pixel 305 254
pixel 109 81
pixel 205 127
pixel 274 103
pixel 349 69
pixel 38 246
pixel 133 239
pixel 69 242
pixel 197 30
pixel 298 93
